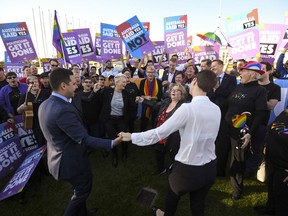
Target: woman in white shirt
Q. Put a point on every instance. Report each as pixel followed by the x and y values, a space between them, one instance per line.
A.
pixel 194 169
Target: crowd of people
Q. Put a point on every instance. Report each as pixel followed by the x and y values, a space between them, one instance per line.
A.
pixel 190 113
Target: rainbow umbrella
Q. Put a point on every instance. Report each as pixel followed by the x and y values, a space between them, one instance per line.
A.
pixel 211 37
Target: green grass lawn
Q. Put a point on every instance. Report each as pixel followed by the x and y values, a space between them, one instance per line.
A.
pixel 115 191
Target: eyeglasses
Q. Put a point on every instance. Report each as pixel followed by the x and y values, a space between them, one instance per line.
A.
pixel 12 77
pixel 54 65
pixel 31 83
pixel 87 82
pixel 175 90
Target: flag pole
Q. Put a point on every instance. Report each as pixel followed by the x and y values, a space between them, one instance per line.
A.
pixel 51 29
pixel 64 58
pixel 42 32
pixel 39 59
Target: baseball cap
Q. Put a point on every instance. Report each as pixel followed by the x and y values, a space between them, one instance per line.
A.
pixel 254 66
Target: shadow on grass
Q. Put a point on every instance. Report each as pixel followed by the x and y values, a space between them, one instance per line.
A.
pixel 115 191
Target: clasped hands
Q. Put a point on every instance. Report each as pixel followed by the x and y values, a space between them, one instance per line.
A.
pixel 126 137
pixel 122 136
pixel 140 99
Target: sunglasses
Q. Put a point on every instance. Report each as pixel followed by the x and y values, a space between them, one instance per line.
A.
pixel 32 82
pixel 12 77
pixel 87 82
pixel 54 65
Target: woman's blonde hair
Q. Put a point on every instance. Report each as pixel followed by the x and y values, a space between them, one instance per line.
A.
pixel 118 77
pixel 181 88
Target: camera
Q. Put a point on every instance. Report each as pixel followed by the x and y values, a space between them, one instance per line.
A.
pixel 244 131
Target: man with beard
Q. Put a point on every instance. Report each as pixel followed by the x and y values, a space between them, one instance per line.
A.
pixel 110 70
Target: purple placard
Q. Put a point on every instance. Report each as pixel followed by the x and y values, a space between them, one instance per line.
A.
pixel 285 38
pixel 159 48
pixel 27 137
pixel 15 67
pixel 23 173
pixel 11 153
pixel 175 33
pixel 111 43
pixel 17 41
pixel 182 56
pixel 6 57
pixel 86 43
pixel 135 37
pixel 243 35
pixel 271 36
pixel 205 52
pixel 72 48
pixel 98 47
pixel 245 45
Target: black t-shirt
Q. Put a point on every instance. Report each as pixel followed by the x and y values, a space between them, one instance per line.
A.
pixel 3 83
pixel 277 142
pixel 90 108
pixel 273 92
pixel 250 97
pixel 14 97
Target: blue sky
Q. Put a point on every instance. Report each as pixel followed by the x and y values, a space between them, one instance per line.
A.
pixel 202 15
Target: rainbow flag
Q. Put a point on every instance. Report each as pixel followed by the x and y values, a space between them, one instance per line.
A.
pixel 57 37
pixel 239 121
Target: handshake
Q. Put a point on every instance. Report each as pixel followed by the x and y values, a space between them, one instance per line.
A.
pixel 122 136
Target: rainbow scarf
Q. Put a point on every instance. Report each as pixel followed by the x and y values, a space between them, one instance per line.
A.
pixel 150 90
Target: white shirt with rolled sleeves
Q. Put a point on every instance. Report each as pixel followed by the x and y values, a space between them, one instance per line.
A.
pixel 180 67
pixel 198 123
pixel 113 71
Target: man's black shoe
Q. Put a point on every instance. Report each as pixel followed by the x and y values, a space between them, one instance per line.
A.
pixel 154 210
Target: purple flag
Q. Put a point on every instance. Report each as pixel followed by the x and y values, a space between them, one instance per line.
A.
pixel 17 41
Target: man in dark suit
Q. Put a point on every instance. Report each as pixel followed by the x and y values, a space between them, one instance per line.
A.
pixel 67 140
pixel 169 74
pixel 219 95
